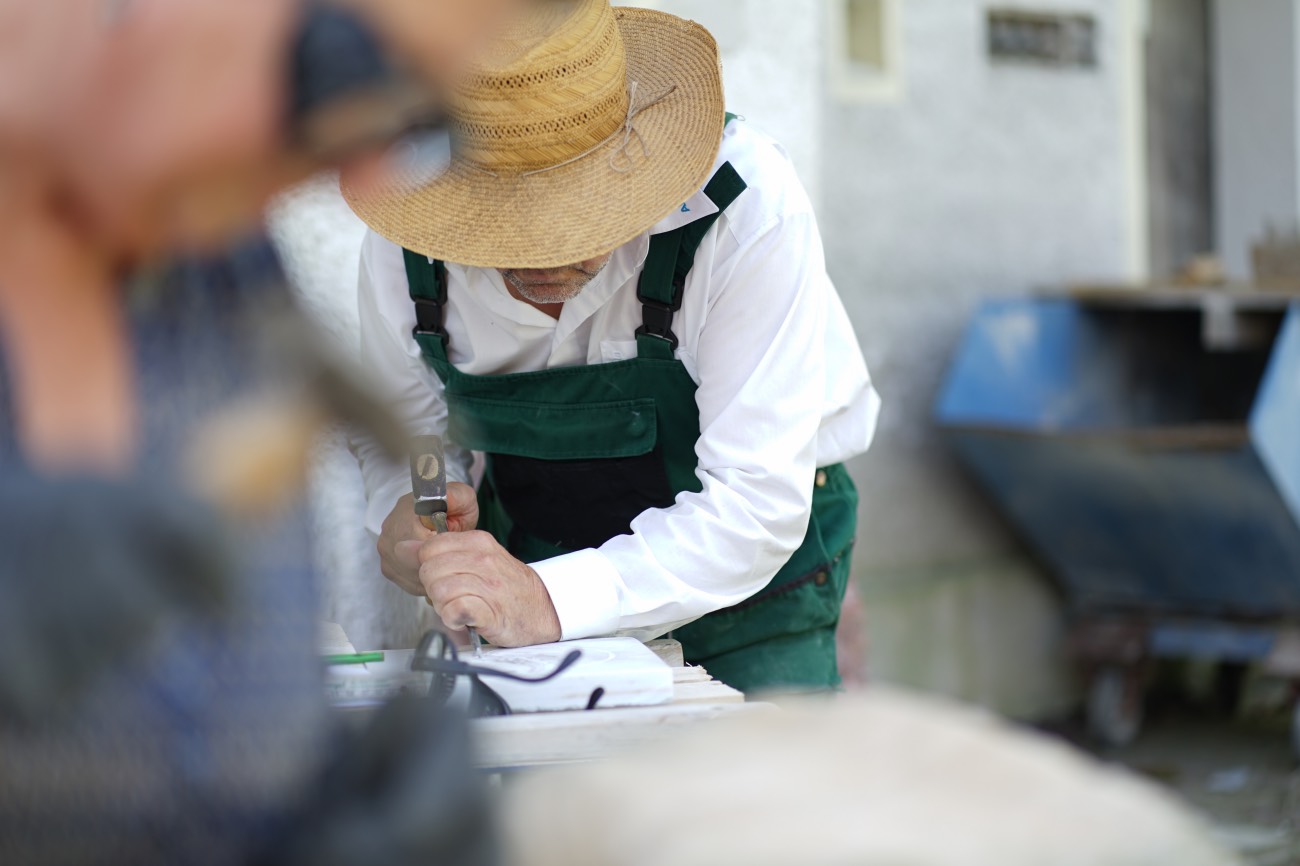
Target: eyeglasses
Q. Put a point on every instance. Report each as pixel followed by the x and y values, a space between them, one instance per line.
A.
pixel 437 655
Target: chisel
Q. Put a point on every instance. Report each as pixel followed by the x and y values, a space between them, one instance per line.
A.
pixel 429 486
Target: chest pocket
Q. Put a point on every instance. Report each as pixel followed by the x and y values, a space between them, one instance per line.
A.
pixel 551 431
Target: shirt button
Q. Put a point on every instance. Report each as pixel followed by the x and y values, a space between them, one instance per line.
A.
pixel 821 578
pixel 821 477
pixel 636 426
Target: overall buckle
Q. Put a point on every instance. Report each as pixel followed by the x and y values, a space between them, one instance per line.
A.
pixel 657 321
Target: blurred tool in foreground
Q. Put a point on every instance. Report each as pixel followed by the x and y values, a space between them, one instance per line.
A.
pixel 160 702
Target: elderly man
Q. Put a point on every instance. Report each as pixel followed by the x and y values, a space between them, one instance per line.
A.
pixel 617 293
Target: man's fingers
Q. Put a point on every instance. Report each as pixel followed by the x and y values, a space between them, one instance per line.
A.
pixel 403 519
pixel 472 542
pixel 473 581
pixel 482 568
pixel 407 554
pixel 399 546
pixel 401 565
pixel 466 611
pixel 462 507
pixel 418 530
pixel 443 588
pixel 461 497
pixel 458 636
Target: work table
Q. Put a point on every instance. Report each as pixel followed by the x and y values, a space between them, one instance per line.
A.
pixel 542 739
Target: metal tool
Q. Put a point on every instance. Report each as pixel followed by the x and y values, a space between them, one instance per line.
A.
pixel 429 485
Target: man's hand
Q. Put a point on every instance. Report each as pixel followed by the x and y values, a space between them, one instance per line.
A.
pixel 462 507
pixel 440 39
pixel 402 534
pixel 473 581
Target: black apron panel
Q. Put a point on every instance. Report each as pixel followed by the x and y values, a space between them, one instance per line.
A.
pixel 576 504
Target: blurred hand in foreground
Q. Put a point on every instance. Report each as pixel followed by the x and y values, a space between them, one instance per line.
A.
pixel 134 128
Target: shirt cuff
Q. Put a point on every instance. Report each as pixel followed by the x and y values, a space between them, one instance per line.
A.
pixel 583 586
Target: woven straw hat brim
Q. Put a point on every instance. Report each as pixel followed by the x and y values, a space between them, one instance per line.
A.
pixel 584 209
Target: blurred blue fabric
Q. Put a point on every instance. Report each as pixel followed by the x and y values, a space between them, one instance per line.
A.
pixel 197 745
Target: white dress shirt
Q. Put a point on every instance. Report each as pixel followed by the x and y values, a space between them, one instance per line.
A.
pixel 783 389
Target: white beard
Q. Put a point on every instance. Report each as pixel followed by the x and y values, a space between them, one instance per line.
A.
pixel 551 294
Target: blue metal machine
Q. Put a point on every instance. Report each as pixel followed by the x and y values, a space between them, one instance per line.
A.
pixel 1147 446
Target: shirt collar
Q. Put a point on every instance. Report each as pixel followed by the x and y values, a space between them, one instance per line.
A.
pixel 695 207
pixel 489 290
pixel 485 288
pixel 622 266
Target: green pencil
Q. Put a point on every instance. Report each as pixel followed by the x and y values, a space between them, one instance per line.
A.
pixel 354 658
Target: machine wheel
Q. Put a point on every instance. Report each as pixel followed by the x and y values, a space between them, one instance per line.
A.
pixel 1115 706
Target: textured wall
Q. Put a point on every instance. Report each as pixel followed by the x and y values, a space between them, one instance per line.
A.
pixel 982 180
pixel 979 180
pixel 1257 123
pixel 771 53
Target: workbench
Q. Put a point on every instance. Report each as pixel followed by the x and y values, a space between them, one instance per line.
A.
pixel 541 739
pixel 1143 442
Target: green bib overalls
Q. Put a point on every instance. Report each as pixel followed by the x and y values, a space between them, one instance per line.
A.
pixel 575 454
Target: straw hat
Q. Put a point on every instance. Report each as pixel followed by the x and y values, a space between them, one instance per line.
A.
pixel 584 127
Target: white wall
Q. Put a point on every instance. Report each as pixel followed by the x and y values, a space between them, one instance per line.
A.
pixel 771 52
pixel 979 180
pixel 1257 123
pixel 319 239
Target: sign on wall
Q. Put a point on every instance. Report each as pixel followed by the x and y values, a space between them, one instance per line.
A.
pixel 1044 38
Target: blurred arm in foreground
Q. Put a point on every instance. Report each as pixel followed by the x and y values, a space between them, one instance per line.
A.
pixel 156 127
pixel 130 129
pixel 161 700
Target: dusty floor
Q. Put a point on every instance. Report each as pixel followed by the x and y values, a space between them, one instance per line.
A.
pixel 1238 771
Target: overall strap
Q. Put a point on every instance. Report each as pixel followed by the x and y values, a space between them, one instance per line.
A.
pixel 671 256
pixel 660 288
pixel 427 283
